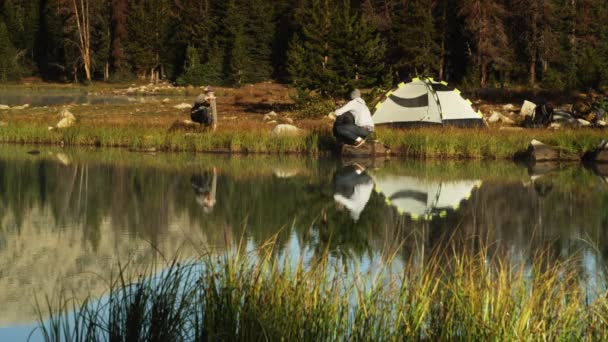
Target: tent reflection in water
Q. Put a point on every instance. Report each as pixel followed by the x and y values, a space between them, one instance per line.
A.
pixel 422 198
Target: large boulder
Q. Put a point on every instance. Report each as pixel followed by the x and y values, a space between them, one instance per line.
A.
pixel 540 152
pixel 369 148
pixel 497 117
pixel 286 130
pixel 67 120
pixel 184 125
pixel 599 154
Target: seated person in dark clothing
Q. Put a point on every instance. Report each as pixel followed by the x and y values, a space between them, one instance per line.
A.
pixel 201 111
pixel 205 186
pixel 353 131
pixel 353 188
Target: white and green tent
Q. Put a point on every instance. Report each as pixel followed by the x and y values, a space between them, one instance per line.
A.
pixel 424 199
pixel 425 101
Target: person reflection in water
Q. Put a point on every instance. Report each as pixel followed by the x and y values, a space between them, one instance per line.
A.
pixel 353 187
pixel 205 186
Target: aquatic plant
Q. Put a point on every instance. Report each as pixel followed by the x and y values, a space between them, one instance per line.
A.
pixel 449 294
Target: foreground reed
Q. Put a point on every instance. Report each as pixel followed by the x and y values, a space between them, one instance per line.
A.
pixel 236 296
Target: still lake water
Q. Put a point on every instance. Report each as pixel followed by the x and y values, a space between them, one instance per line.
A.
pixel 67 217
pixel 55 98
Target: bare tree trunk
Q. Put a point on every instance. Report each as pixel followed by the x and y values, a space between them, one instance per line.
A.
pixel 81 13
pixel 484 74
pixel 106 72
pixel 444 31
pixel 533 69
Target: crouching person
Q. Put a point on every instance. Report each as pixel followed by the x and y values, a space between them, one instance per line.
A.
pixel 353 131
pixel 201 111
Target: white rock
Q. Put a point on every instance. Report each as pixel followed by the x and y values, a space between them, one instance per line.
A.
pixel 67 119
pixel 509 108
pixel 527 108
pixel 289 121
pixel 498 117
pixel 555 125
pixel 166 100
pixel 21 107
pixel 535 143
pixel 266 117
pixel 601 123
pixel 494 118
pixel 271 114
pixel 583 123
pixel 4 107
pixel 286 129
pixel 183 106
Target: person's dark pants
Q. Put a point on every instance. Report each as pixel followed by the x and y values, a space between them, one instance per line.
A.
pixel 346 179
pixel 348 133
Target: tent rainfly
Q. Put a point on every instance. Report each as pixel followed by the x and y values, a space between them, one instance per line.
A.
pixel 425 101
pixel 423 199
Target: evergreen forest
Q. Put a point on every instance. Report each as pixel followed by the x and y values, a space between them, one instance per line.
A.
pixel 326 45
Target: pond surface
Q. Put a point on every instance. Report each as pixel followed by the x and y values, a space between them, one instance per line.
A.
pixel 12 97
pixel 67 217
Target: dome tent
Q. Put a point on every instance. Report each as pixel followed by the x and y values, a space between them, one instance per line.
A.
pixel 425 101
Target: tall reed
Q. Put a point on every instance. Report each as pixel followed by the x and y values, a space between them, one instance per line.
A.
pixel 258 296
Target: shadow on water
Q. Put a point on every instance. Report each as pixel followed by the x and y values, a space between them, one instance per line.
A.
pixel 79 212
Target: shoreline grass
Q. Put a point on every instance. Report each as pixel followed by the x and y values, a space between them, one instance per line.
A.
pixel 437 143
pixel 446 295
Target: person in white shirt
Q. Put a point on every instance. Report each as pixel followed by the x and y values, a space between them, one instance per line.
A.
pixel 353 133
pixel 353 188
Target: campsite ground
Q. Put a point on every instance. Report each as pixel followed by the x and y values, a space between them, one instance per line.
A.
pixel 243 127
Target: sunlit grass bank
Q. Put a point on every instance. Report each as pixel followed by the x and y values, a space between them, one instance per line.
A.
pixel 421 143
pixel 447 295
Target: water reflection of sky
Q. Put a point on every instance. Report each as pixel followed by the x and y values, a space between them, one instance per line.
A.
pixel 55 98
pixel 78 218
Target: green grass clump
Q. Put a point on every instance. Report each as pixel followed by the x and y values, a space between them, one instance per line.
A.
pixel 259 296
pixel 437 143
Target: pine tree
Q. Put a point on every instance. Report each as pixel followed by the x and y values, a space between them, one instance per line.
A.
pixel 414 38
pixel 489 42
pixel 260 32
pixel 119 35
pixel 237 53
pixel 9 68
pixel 149 30
pixel 336 49
pixel 22 19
